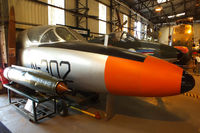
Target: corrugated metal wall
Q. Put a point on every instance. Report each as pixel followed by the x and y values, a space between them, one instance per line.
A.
pixel 29 12
pixel 196 28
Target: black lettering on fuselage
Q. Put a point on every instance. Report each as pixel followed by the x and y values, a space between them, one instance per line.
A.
pixel 48 67
pixel 51 62
pixel 33 65
pixel 68 66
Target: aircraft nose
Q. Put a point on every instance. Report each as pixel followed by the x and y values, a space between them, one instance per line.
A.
pixel 187 83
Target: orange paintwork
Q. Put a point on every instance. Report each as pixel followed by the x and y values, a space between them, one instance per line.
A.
pixel 153 77
pixel 183 49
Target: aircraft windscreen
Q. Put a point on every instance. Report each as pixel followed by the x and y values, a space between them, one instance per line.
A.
pixel 127 37
pixel 80 37
pixel 49 37
pixel 35 33
pixel 65 34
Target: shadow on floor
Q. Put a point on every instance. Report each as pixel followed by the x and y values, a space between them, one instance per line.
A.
pixel 136 107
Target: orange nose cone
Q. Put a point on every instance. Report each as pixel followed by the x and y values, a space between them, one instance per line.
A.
pixel 153 77
pixel 61 88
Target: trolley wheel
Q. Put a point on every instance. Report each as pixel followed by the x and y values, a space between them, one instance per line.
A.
pixel 32 121
pixel 62 108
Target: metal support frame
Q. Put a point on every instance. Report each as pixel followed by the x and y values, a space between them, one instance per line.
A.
pixel 84 10
pixel 150 3
pixel 111 16
pixel 195 12
pixel 163 17
pixel 82 16
pixel 75 12
pixel 109 106
pixel 114 22
pixel 173 8
pixel 34 117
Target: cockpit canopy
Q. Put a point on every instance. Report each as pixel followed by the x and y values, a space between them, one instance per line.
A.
pixel 121 36
pixel 116 37
pixel 47 34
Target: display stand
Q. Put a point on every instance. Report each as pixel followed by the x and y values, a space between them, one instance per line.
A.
pixel 40 111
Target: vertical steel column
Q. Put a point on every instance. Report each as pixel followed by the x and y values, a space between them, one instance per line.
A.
pixel 86 2
pixel 169 36
pixel 111 15
pixel 109 106
pixel 130 21
pixel 77 11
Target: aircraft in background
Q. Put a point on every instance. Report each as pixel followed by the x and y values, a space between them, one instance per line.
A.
pixel 186 54
pixel 126 40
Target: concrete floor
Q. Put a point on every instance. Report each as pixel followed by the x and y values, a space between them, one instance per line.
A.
pixel 132 114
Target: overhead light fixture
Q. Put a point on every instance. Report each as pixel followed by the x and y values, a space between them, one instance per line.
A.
pixel 177 15
pixel 180 14
pixel 172 16
pixel 191 18
pixel 158 9
pixel 161 1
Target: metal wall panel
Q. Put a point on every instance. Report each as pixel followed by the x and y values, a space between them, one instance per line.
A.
pixel 70 18
pixel 29 12
pixel 196 29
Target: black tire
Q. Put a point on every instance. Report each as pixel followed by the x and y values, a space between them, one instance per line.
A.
pixel 62 109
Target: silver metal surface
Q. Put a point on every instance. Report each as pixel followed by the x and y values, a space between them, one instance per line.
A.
pixel 33 79
pixel 81 70
pixel 23 40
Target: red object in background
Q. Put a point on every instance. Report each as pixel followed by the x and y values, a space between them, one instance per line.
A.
pixel 194 53
pixel 183 49
pixel 97 115
pixel 2 78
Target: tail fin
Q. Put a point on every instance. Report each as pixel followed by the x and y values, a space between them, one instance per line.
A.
pixel 11 38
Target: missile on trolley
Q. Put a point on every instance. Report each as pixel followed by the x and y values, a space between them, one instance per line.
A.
pixel 36 80
pixel 63 53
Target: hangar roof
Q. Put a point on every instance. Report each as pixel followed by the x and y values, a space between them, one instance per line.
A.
pixel 172 10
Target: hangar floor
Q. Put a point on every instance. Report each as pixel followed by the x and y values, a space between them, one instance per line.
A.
pixel 132 114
